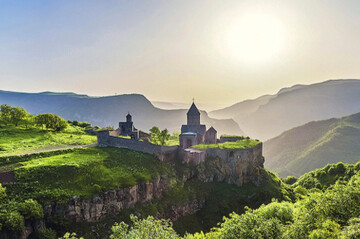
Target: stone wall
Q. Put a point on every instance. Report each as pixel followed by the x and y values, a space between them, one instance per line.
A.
pixel 164 153
pixel 112 202
pixel 193 156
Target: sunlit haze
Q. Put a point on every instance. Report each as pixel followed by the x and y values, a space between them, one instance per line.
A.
pixel 218 52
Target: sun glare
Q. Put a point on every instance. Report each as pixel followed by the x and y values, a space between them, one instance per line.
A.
pixel 256 38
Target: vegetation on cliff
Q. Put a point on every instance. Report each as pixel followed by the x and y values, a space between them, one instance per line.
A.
pixel 333 212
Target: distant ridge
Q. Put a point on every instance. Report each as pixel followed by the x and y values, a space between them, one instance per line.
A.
pixel 270 115
pixel 109 110
pixel 314 145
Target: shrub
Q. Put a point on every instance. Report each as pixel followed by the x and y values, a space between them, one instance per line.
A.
pixel 46 233
pixel 2 193
pixel 31 209
pixel 12 221
pixel 290 180
pixel 70 236
pixel 51 121
pixel 147 228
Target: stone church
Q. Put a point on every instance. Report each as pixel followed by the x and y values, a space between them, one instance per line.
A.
pixel 127 128
pixel 193 132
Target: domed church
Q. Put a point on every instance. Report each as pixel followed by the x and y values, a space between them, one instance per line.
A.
pixel 193 132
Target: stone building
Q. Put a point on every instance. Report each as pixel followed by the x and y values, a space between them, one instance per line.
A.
pixel 193 132
pixel 128 129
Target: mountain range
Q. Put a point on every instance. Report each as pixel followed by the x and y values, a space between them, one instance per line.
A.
pixel 109 110
pixel 270 115
pixel 314 145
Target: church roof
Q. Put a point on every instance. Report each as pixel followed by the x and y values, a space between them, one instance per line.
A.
pixel 193 110
pixel 212 129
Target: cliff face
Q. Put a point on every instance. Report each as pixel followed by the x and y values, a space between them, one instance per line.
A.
pixel 233 166
pixel 236 166
pixel 112 202
pixel 177 211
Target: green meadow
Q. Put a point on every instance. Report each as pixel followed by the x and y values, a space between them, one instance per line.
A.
pixel 84 172
pixel 21 140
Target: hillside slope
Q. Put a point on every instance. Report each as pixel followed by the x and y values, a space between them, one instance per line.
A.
pixel 108 111
pixel 295 106
pixel 314 145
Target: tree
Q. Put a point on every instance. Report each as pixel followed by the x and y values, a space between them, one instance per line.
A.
pixel 51 121
pixel 159 137
pixel 5 113
pixel 17 115
pixel 146 228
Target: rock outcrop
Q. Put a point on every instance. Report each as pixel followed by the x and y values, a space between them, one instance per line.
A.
pixel 112 202
pixel 233 166
pixel 177 211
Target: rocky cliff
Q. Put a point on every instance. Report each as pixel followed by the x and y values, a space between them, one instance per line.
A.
pixel 233 166
pixel 111 202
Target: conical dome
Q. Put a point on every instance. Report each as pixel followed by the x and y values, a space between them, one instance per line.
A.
pixel 193 115
pixel 193 110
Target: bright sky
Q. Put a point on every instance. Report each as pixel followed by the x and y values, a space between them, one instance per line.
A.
pixel 219 52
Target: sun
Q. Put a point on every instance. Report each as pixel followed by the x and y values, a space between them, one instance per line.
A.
pixel 256 38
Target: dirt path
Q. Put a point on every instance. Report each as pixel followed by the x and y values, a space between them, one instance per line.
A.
pixel 50 149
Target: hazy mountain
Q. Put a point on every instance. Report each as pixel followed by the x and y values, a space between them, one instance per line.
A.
pixel 314 145
pixel 169 105
pixel 241 109
pixel 181 105
pixel 109 110
pixel 268 116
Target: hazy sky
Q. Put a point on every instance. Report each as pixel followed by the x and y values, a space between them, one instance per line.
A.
pixel 219 52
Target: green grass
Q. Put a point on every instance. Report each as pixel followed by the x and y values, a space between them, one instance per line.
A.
pixel 232 136
pixel 240 144
pixel 172 141
pixel 124 137
pixel 19 140
pixel 85 172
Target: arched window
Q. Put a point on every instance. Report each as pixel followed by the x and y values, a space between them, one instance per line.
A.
pixel 231 154
pixel 188 143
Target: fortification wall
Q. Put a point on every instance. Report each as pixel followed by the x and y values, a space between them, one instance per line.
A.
pixel 164 153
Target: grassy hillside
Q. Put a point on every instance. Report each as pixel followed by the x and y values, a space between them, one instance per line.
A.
pixel 323 178
pixel 21 140
pixel 83 172
pixel 314 145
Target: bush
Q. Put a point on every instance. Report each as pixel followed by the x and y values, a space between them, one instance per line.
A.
pixel 51 121
pixel 31 209
pixel 290 180
pixel 46 233
pixel 147 228
pixel 12 221
pixel 70 236
pixel 2 193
